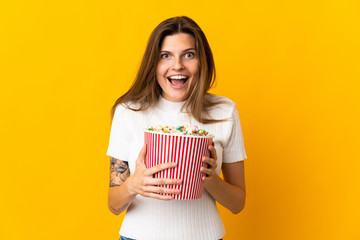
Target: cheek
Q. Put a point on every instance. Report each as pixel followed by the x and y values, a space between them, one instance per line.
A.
pixel 161 69
pixel 160 73
pixel 158 70
pixel 194 70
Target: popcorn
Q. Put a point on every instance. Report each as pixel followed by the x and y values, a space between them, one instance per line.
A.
pixel 180 130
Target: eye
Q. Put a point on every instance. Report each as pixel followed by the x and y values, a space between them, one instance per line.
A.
pixel 189 55
pixel 165 56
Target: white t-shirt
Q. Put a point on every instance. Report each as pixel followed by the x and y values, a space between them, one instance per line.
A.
pixel 148 218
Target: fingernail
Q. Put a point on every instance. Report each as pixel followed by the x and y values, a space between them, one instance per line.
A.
pixel 177 191
pixel 173 164
pixel 178 181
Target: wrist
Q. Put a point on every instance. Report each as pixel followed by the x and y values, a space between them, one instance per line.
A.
pixel 212 182
pixel 129 183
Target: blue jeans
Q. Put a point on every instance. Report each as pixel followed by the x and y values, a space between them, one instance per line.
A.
pixel 125 238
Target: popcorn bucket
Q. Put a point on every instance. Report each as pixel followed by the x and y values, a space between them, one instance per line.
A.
pixel 187 151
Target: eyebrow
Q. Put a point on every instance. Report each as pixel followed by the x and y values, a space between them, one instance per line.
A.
pixel 185 50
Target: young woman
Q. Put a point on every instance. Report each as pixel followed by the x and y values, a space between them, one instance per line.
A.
pixel 171 87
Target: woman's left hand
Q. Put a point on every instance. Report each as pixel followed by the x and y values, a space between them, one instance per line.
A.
pixel 229 192
pixel 212 165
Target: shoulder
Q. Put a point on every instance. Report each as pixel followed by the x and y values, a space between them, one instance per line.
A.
pixel 219 99
pixel 221 104
pixel 126 110
pixel 127 106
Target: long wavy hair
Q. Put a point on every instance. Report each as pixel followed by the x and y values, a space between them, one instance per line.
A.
pixel 145 89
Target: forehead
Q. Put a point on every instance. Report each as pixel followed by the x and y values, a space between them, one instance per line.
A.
pixel 178 42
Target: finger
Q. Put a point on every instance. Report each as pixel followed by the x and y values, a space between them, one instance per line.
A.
pixel 163 190
pixel 213 153
pixel 158 168
pixel 143 151
pixel 162 181
pixel 203 178
pixel 207 171
pixel 142 154
pixel 158 196
pixel 210 161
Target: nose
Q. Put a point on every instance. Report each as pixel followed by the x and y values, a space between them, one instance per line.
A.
pixel 178 64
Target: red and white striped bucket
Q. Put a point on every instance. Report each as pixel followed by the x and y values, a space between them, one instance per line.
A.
pixel 187 151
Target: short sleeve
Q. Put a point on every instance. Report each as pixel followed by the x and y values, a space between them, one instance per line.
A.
pixel 234 149
pixel 118 142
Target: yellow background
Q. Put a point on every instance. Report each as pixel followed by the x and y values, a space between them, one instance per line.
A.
pixel 291 66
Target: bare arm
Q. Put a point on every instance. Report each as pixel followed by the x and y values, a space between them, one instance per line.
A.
pixel 124 188
pixel 119 172
pixel 229 192
pixel 119 198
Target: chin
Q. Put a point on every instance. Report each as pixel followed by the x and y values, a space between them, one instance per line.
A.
pixel 175 98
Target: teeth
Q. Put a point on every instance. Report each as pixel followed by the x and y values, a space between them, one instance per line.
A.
pixel 178 77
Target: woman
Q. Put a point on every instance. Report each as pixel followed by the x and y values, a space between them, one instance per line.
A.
pixel 171 88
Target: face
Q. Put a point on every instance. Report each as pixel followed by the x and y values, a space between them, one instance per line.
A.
pixel 178 66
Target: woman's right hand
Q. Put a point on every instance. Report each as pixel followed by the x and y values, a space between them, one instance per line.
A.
pixel 142 181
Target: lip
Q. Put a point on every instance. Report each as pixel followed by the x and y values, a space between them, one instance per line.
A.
pixel 178 75
pixel 178 86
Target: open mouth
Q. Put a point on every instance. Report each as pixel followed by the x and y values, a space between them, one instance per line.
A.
pixel 178 80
